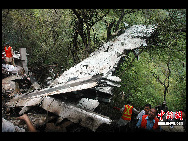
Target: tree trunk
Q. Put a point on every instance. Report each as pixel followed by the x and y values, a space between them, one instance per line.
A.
pixel 167 77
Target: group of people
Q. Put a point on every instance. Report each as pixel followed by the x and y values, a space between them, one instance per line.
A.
pixel 147 118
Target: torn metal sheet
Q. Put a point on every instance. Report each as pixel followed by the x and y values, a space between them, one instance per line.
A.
pixel 105 89
pixel 18 101
pixel 105 59
pixel 88 104
pixel 87 119
pixel 76 85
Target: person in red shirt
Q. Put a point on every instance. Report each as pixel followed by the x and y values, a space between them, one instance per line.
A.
pixel 9 54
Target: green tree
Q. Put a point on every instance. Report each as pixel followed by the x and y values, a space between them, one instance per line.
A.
pixel 158 77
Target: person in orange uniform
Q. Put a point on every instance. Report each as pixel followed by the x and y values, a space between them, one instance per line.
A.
pixel 127 113
pixel 9 54
pixel 150 121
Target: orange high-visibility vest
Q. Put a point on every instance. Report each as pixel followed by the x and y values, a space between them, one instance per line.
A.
pixel 8 52
pixel 127 112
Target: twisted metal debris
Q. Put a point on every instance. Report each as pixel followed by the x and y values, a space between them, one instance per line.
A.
pixel 94 72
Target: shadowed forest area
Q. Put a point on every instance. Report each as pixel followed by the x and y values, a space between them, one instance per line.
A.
pixel 57 39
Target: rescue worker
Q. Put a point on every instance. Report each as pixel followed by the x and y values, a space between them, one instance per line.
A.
pixel 150 121
pixel 126 115
pixel 9 54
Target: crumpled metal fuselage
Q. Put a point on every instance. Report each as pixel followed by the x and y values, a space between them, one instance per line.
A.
pixel 93 72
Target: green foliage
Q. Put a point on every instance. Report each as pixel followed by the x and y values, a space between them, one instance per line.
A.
pixel 167 44
pixel 139 82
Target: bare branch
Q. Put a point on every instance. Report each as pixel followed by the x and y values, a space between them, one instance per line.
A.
pixel 157 77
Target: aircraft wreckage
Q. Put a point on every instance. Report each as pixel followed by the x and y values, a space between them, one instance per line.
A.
pixel 77 92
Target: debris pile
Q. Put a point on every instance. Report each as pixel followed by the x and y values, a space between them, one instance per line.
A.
pixel 74 95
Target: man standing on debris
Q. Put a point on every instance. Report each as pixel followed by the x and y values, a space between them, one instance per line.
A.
pixel 9 54
pixel 127 113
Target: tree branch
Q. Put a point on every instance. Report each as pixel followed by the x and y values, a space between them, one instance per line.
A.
pixel 157 77
pixel 121 17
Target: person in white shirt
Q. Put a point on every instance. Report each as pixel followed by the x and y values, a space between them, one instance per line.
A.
pixel 145 111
